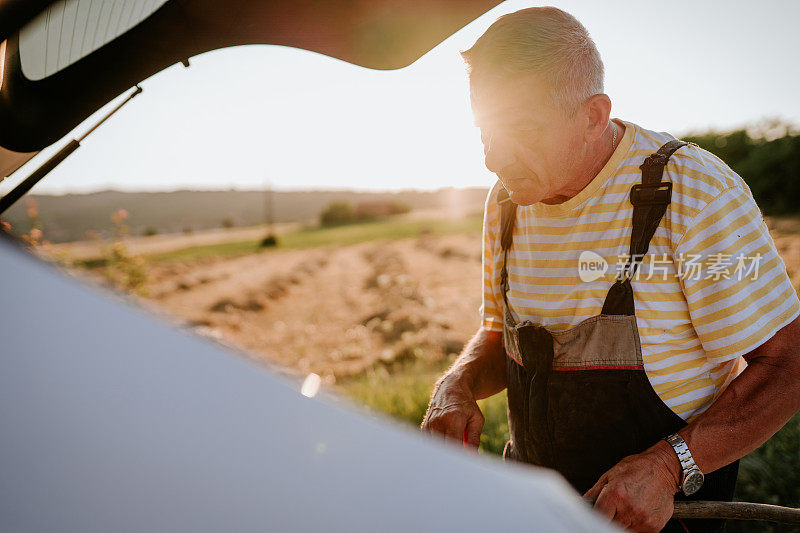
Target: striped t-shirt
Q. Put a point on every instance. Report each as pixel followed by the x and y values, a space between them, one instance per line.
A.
pixel 711 288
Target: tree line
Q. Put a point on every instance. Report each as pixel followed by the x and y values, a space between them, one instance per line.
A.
pixel 769 164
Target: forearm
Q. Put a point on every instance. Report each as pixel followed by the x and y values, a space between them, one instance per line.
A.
pixel 640 489
pixel 754 406
pixel 482 364
pixel 477 373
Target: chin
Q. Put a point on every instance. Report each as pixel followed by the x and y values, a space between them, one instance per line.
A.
pixel 524 198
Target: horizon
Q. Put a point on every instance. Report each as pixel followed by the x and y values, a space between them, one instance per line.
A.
pixel 264 190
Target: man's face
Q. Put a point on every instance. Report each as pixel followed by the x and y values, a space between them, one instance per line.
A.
pixel 528 143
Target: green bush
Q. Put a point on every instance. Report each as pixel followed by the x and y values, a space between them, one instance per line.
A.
pixel 771 168
pixel 771 474
pixel 336 214
pixel 269 241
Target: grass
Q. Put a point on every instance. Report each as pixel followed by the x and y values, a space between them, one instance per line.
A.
pixel 404 395
pixel 315 237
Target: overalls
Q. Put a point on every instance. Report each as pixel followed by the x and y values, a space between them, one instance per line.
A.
pixel 579 400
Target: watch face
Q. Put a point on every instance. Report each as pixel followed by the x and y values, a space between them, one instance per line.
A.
pixel 692 482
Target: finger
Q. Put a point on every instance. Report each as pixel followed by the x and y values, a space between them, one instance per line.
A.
pixel 626 524
pixel 606 503
pixel 594 492
pixel 472 433
pixel 426 421
pixel 434 424
pixel 454 428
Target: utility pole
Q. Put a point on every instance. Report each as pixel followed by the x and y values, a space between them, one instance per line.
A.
pixel 269 217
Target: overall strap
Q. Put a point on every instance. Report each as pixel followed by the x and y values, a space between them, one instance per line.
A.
pixel 508 217
pixel 650 200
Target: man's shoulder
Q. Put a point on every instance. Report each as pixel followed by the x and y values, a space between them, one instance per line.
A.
pixel 690 164
pixel 491 198
pixel 491 207
pixel 697 175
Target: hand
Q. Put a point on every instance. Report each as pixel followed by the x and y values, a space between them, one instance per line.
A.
pixel 638 492
pixel 453 411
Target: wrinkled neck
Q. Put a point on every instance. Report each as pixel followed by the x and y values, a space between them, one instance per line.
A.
pixel 591 163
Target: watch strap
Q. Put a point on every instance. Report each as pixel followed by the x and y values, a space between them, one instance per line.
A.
pixel 691 476
pixel 682 451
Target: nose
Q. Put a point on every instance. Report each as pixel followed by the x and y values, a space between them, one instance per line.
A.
pixel 498 154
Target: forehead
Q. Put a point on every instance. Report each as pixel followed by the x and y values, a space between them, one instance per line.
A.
pixel 499 101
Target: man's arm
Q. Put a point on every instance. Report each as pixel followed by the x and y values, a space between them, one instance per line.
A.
pixel 754 406
pixel 479 372
pixel 638 492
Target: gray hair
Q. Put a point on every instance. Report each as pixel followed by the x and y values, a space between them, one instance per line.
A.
pixel 545 41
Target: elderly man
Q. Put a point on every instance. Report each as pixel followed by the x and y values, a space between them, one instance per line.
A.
pixel 648 380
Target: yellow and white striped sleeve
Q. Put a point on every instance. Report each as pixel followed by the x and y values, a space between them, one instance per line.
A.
pixel 740 295
pixel 490 310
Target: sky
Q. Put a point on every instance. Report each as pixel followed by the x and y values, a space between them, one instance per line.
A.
pixel 256 116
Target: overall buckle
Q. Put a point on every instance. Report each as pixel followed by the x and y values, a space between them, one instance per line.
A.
pixel 651 194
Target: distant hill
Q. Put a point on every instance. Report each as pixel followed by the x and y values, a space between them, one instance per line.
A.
pixel 69 217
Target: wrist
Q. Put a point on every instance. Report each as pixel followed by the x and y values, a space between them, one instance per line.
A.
pixel 670 462
pixel 465 371
pixel 458 377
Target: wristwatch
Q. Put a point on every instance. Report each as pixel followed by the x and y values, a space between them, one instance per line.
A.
pixel 692 478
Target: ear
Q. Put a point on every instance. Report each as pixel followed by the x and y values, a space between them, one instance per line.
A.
pixel 597 112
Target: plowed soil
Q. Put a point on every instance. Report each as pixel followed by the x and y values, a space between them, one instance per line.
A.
pixel 333 311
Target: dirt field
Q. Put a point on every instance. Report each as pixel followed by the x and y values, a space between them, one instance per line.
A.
pixel 337 311
pixel 333 311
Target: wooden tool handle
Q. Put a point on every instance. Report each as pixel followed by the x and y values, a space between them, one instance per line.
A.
pixel 737 511
pixel 734 511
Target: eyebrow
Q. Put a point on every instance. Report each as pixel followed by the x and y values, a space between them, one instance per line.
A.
pixel 512 123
